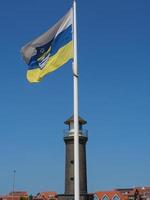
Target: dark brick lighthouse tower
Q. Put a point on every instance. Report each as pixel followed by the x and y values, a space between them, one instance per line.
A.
pixel 69 167
pixel 69 163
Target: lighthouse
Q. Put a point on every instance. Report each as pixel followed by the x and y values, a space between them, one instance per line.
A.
pixel 69 161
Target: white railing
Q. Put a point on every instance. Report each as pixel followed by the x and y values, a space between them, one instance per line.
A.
pixel 82 132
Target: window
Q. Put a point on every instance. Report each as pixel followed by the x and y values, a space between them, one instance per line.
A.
pixel 72 161
pixel 80 126
pixel 105 198
pixel 116 197
pixel 95 197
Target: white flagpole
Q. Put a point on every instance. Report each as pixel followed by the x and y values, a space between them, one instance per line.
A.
pixel 76 125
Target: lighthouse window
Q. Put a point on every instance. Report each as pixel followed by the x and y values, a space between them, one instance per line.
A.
pixel 72 161
pixel 72 179
pixel 80 126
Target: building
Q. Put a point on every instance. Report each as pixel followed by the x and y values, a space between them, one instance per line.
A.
pixel 69 163
pixel 46 196
pixel 109 195
pixel 137 193
pixel 17 195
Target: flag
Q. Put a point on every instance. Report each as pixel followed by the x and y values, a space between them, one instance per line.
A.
pixel 49 51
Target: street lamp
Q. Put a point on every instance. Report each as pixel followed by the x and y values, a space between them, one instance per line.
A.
pixel 13 188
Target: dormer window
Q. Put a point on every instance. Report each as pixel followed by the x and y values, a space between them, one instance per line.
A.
pixel 116 197
pixel 95 197
pixel 105 198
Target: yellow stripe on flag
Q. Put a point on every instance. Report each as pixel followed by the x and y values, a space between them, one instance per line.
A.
pixel 60 58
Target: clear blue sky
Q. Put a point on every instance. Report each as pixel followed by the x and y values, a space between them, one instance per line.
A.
pixel 114 89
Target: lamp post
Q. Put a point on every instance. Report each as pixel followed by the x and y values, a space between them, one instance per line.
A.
pixel 13 187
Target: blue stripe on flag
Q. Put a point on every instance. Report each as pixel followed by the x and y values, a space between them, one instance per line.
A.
pixel 61 40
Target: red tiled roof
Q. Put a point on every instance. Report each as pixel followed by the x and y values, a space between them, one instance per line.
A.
pixel 19 193
pixel 15 195
pixel 110 194
pixel 45 195
pixel 11 198
pixel 141 190
pixel 48 194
